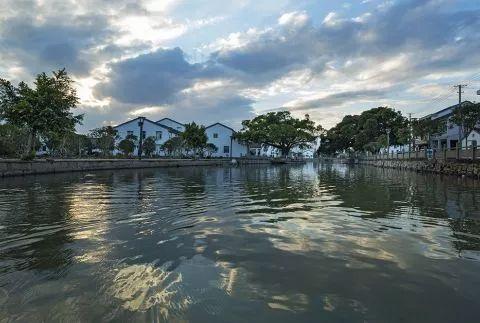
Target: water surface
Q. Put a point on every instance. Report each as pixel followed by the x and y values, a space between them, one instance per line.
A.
pixel 313 243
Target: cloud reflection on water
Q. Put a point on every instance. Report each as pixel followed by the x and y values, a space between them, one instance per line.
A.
pixel 285 243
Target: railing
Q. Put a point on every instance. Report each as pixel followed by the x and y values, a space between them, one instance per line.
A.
pixel 471 153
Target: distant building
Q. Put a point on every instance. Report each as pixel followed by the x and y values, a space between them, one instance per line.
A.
pixel 472 139
pixel 172 124
pixel 450 136
pixel 222 137
pixel 160 132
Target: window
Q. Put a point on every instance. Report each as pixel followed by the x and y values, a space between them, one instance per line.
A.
pixel 159 135
pixel 129 133
pixel 474 143
pixel 226 149
pixel 144 134
pixel 215 135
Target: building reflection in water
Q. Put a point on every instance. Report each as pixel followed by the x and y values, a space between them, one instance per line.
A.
pixel 307 241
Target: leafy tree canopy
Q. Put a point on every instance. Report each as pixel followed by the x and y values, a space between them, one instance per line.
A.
pixel 44 108
pixel 173 146
pixel 467 116
pixel 12 140
pixel 104 138
pixel 127 145
pixel 194 137
pixel 148 146
pixel 423 128
pixel 367 131
pixel 280 130
pixel 211 149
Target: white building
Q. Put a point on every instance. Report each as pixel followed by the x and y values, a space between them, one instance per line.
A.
pixel 260 150
pixel 172 124
pixel 222 137
pixel 472 139
pixel 150 128
pixel 449 137
pixel 218 134
pixel 269 151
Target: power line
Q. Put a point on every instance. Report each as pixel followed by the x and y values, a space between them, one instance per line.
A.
pixel 476 76
pixel 442 98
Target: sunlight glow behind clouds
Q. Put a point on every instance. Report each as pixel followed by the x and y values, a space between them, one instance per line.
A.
pixel 218 61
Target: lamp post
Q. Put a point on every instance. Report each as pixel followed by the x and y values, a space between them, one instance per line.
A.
pixel 141 120
pixel 388 141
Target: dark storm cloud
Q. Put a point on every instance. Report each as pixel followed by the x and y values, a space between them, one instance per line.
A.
pixel 269 56
pixel 225 106
pixel 55 43
pixel 153 78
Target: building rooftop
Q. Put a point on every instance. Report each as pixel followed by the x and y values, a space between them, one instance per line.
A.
pixel 148 120
pixel 438 114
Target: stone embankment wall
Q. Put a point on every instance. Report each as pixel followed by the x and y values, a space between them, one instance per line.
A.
pixel 429 166
pixel 18 167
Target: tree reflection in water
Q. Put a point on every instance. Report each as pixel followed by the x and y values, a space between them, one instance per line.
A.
pixel 283 243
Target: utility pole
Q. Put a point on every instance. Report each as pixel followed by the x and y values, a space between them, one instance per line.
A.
pixel 460 127
pixel 410 135
pixel 460 86
pixel 141 120
pixel 388 141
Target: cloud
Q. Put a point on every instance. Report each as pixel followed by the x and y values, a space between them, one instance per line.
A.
pixel 294 18
pixel 152 78
pixel 50 45
pixel 133 58
pixel 335 99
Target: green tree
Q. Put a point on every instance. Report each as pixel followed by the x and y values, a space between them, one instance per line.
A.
pixel 373 147
pixel 12 140
pixel 77 145
pixel 44 108
pixel 194 138
pixel 104 139
pixel 148 146
pixel 403 135
pixel 127 145
pixel 172 146
pixel 279 130
pixel 425 127
pixel 366 131
pixel 54 143
pixel 211 149
pixel 466 116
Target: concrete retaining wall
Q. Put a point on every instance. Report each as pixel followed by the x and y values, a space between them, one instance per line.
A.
pixel 429 166
pixel 19 167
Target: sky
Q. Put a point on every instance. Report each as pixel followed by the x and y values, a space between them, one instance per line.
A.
pixel 226 61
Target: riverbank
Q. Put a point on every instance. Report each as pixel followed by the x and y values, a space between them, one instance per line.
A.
pixel 428 166
pixel 15 167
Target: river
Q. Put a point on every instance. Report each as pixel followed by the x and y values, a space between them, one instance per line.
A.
pixel 308 243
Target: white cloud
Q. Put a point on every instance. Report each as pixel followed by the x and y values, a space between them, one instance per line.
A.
pixel 148 111
pixel 295 18
pixel 331 19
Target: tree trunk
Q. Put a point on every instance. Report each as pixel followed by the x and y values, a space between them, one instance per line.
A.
pixel 30 149
pixel 285 151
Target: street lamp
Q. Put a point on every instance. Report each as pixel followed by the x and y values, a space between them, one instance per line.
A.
pixel 141 120
pixel 388 141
